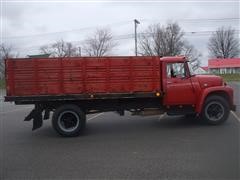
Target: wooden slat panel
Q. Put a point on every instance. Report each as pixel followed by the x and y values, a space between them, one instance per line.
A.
pixel 52 76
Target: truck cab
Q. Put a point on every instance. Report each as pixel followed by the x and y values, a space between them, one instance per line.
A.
pixel 207 96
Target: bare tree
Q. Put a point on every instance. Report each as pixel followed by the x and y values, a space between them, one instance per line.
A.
pixel 224 43
pixel 193 55
pixel 60 49
pixel 46 49
pixel 6 51
pixel 162 41
pixel 100 44
pixel 167 41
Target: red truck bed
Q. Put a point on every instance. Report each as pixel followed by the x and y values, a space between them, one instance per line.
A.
pixel 82 75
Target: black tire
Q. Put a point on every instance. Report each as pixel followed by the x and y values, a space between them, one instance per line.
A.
pixel 215 110
pixel 69 120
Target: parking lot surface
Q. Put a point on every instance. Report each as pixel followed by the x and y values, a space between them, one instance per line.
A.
pixel 236 88
pixel 114 147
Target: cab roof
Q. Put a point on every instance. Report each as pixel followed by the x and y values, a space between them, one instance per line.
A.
pixel 174 59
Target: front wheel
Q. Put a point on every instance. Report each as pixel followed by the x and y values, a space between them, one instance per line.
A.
pixel 69 120
pixel 215 110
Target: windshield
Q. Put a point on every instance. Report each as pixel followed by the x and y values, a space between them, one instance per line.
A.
pixel 190 68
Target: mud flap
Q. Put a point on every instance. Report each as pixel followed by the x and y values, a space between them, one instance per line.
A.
pixel 46 114
pixel 36 115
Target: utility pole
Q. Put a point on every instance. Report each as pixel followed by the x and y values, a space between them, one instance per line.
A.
pixel 80 51
pixel 136 22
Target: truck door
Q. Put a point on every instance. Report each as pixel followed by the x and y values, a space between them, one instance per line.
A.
pixel 178 86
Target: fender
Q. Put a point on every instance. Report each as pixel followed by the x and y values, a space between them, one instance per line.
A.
pixel 214 91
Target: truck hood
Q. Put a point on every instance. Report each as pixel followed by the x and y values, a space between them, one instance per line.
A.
pixel 209 80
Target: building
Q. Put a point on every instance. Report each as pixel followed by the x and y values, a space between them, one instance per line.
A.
pixel 224 66
pixel 205 68
pixel 39 56
pixel 200 70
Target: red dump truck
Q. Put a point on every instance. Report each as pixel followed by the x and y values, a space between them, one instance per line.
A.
pixel 72 87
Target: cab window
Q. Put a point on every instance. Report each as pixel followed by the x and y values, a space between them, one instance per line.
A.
pixel 176 70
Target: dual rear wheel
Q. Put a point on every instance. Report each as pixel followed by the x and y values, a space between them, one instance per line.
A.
pixel 69 120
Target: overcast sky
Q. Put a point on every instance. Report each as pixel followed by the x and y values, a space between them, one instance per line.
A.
pixel 28 25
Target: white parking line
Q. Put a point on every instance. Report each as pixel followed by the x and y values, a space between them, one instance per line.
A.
pixel 234 114
pixel 95 116
pixel 161 116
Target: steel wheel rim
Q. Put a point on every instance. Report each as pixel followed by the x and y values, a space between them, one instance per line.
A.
pixel 214 111
pixel 68 121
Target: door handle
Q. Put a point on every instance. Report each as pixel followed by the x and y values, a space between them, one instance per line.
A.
pixel 169 82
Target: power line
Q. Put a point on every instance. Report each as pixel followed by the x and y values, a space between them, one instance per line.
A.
pixel 198 19
pixel 67 31
pixel 130 36
pixel 118 24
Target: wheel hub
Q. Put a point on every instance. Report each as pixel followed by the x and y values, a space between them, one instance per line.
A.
pixel 214 111
pixel 68 121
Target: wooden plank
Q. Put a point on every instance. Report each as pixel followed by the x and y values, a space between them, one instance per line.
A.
pixel 83 75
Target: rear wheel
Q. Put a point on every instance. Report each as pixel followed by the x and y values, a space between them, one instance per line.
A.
pixel 69 120
pixel 215 110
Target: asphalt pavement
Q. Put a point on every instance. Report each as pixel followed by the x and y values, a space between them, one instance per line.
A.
pixel 114 147
pixel 236 88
